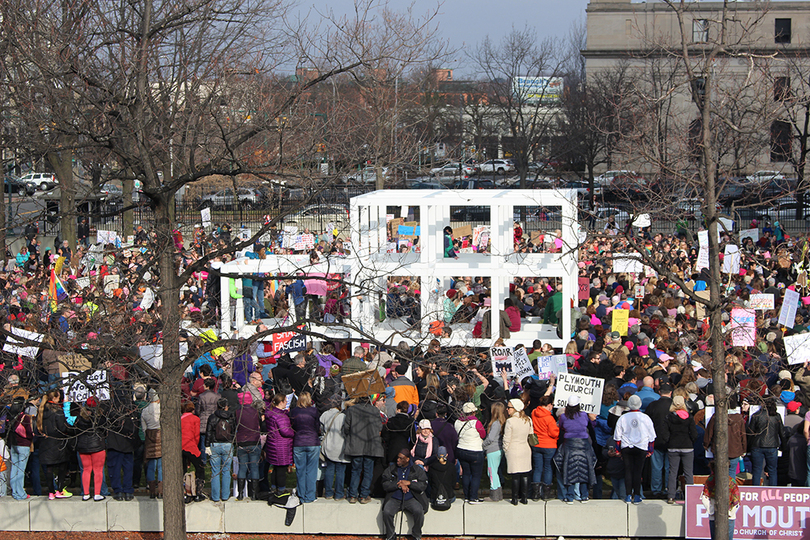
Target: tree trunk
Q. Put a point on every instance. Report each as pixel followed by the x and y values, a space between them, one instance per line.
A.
pixel 174 517
pixel 4 220
pixel 62 163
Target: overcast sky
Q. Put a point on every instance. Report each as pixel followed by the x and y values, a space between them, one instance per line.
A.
pixel 464 23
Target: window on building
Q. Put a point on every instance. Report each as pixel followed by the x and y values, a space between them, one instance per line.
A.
pixel 781 89
pixel 781 141
pixel 700 31
pixel 782 31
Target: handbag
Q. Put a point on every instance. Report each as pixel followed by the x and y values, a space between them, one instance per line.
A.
pixel 20 430
pixel 532 439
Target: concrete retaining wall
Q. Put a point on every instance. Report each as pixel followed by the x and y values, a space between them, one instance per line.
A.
pixel 596 518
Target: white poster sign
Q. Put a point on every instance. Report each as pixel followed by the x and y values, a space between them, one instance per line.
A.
pixel 753 234
pixel 731 260
pixel 111 282
pixel 588 389
pixel 78 387
pixel 787 314
pixel 19 348
pixel 106 237
pixel 761 301
pixel 703 259
pixel 205 215
pixel 521 365
pixel 551 365
pixel 502 359
pixel 798 348
pixel 627 263
pixel 153 354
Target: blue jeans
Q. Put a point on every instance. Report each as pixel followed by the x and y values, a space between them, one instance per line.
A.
pixel 619 490
pixel 249 457
pixel 334 473
pixel 361 465
pixel 203 455
pixel 152 466
pixel 577 492
pixel 33 468
pixel 730 529
pixel 251 309
pixel 766 457
pixel 306 471
pixel 221 459
pixel 472 466
pixel 732 466
pixel 19 459
pixel 659 472
pixel 541 465
pixel 120 465
pixel 258 297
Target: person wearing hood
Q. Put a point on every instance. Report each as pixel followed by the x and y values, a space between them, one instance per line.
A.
pixel 219 437
pixel 547 432
pixel 635 437
pixel 680 434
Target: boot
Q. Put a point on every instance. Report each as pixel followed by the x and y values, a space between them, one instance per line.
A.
pixel 515 489
pixel 200 484
pixel 536 491
pixel 255 485
pixel 524 489
pixel 160 490
pixel 496 495
pixel 546 492
pixel 152 487
pixel 240 488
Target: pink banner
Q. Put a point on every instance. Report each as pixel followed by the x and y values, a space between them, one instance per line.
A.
pixel 743 326
pixel 584 288
pixel 765 512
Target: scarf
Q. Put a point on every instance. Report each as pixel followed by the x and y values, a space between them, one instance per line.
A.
pixel 426 440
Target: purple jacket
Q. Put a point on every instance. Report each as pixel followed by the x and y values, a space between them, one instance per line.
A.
pixel 241 368
pixel 307 425
pixel 576 428
pixel 248 426
pixel 279 445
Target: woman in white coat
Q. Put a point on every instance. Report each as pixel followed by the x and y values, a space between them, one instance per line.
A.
pixel 517 450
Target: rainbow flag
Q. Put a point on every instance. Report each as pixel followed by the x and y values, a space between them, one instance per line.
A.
pixel 56 291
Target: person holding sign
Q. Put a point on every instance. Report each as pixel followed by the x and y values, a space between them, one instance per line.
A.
pixel 575 459
pixel 635 437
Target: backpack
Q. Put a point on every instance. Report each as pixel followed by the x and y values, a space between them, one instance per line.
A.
pixel 223 432
pixel 441 501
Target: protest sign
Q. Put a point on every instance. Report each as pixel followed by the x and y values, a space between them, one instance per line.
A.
pixel 82 282
pixel 798 348
pixel 703 238
pixel 78 386
pixel 551 365
pixel 638 291
pixel 642 220
pixel 308 240
pixel 724 225
pixel 702 259
pixel 465 230
pixel 753 234
pixel 111 282
pixel 501 359
pixel 627 263
pixel 316 287
pixel 761 301
pixel 244 234
pixel 621 318
pixel 393 227
pixel 106 237
pixel 205 216
pixel 584 288
pixel 521 365
pixel 153 354
pixel 765 512
pixel 588 389
pixel 731 260
pixel 286 342
pixel 19 348
pixel 743 327
pixel 787 314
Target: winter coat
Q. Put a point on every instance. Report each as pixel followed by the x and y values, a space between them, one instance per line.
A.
pixel 446 435
pixel 211 430
pixel 123 433
pixel 334 442
pixel 658 411
pixel 765 431
pixel 441 474
pixel 545 427
pixel 54 445
pixel 397 434
pixel 362 428
pixel 248 426
pixel 516 445
pixel 307 426
pixel 680 433
pixel 575 461
pixel 91 434
pixel 417 477
pixel 241 368
pixel 504 324
pixel 737 439
pixel 190 433
pixel 206 405
pixel 514 318
pixel 278 449
pixel 27 423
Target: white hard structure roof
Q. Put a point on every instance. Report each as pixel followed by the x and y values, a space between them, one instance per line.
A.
pixel 370 265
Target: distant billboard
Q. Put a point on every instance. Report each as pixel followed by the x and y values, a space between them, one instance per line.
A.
pixel 538 89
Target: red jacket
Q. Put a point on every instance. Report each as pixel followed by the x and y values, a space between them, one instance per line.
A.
pixel 545 427
pixel 190 425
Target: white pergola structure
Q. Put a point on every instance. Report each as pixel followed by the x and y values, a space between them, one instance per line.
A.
pixel 373 265
pixel 370 265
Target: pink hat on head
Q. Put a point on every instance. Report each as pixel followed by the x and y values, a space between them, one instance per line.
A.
pixel 245 398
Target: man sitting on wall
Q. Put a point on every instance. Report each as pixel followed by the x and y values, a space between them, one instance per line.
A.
pixel 405 486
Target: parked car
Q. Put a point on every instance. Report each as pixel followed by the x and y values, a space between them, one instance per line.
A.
pixel 582 188
pixel 454 169
pixel 473 183
pixel 692 208
pixel 317 218
pixel 41 181
pixel 428 185
pixel 14 184
pixel 470 213
pixel 497 166
pixel 367 175
pixel 785 209
pixel 111 192
pixel 762 177
pixel 225 198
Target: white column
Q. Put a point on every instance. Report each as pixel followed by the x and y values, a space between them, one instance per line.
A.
pixel 225 305
pixel 240 306
pixel 497 304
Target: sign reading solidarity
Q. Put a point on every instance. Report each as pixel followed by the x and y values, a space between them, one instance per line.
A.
pixel 589 390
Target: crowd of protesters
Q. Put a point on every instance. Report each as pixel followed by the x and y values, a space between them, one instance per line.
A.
pixel 446 426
